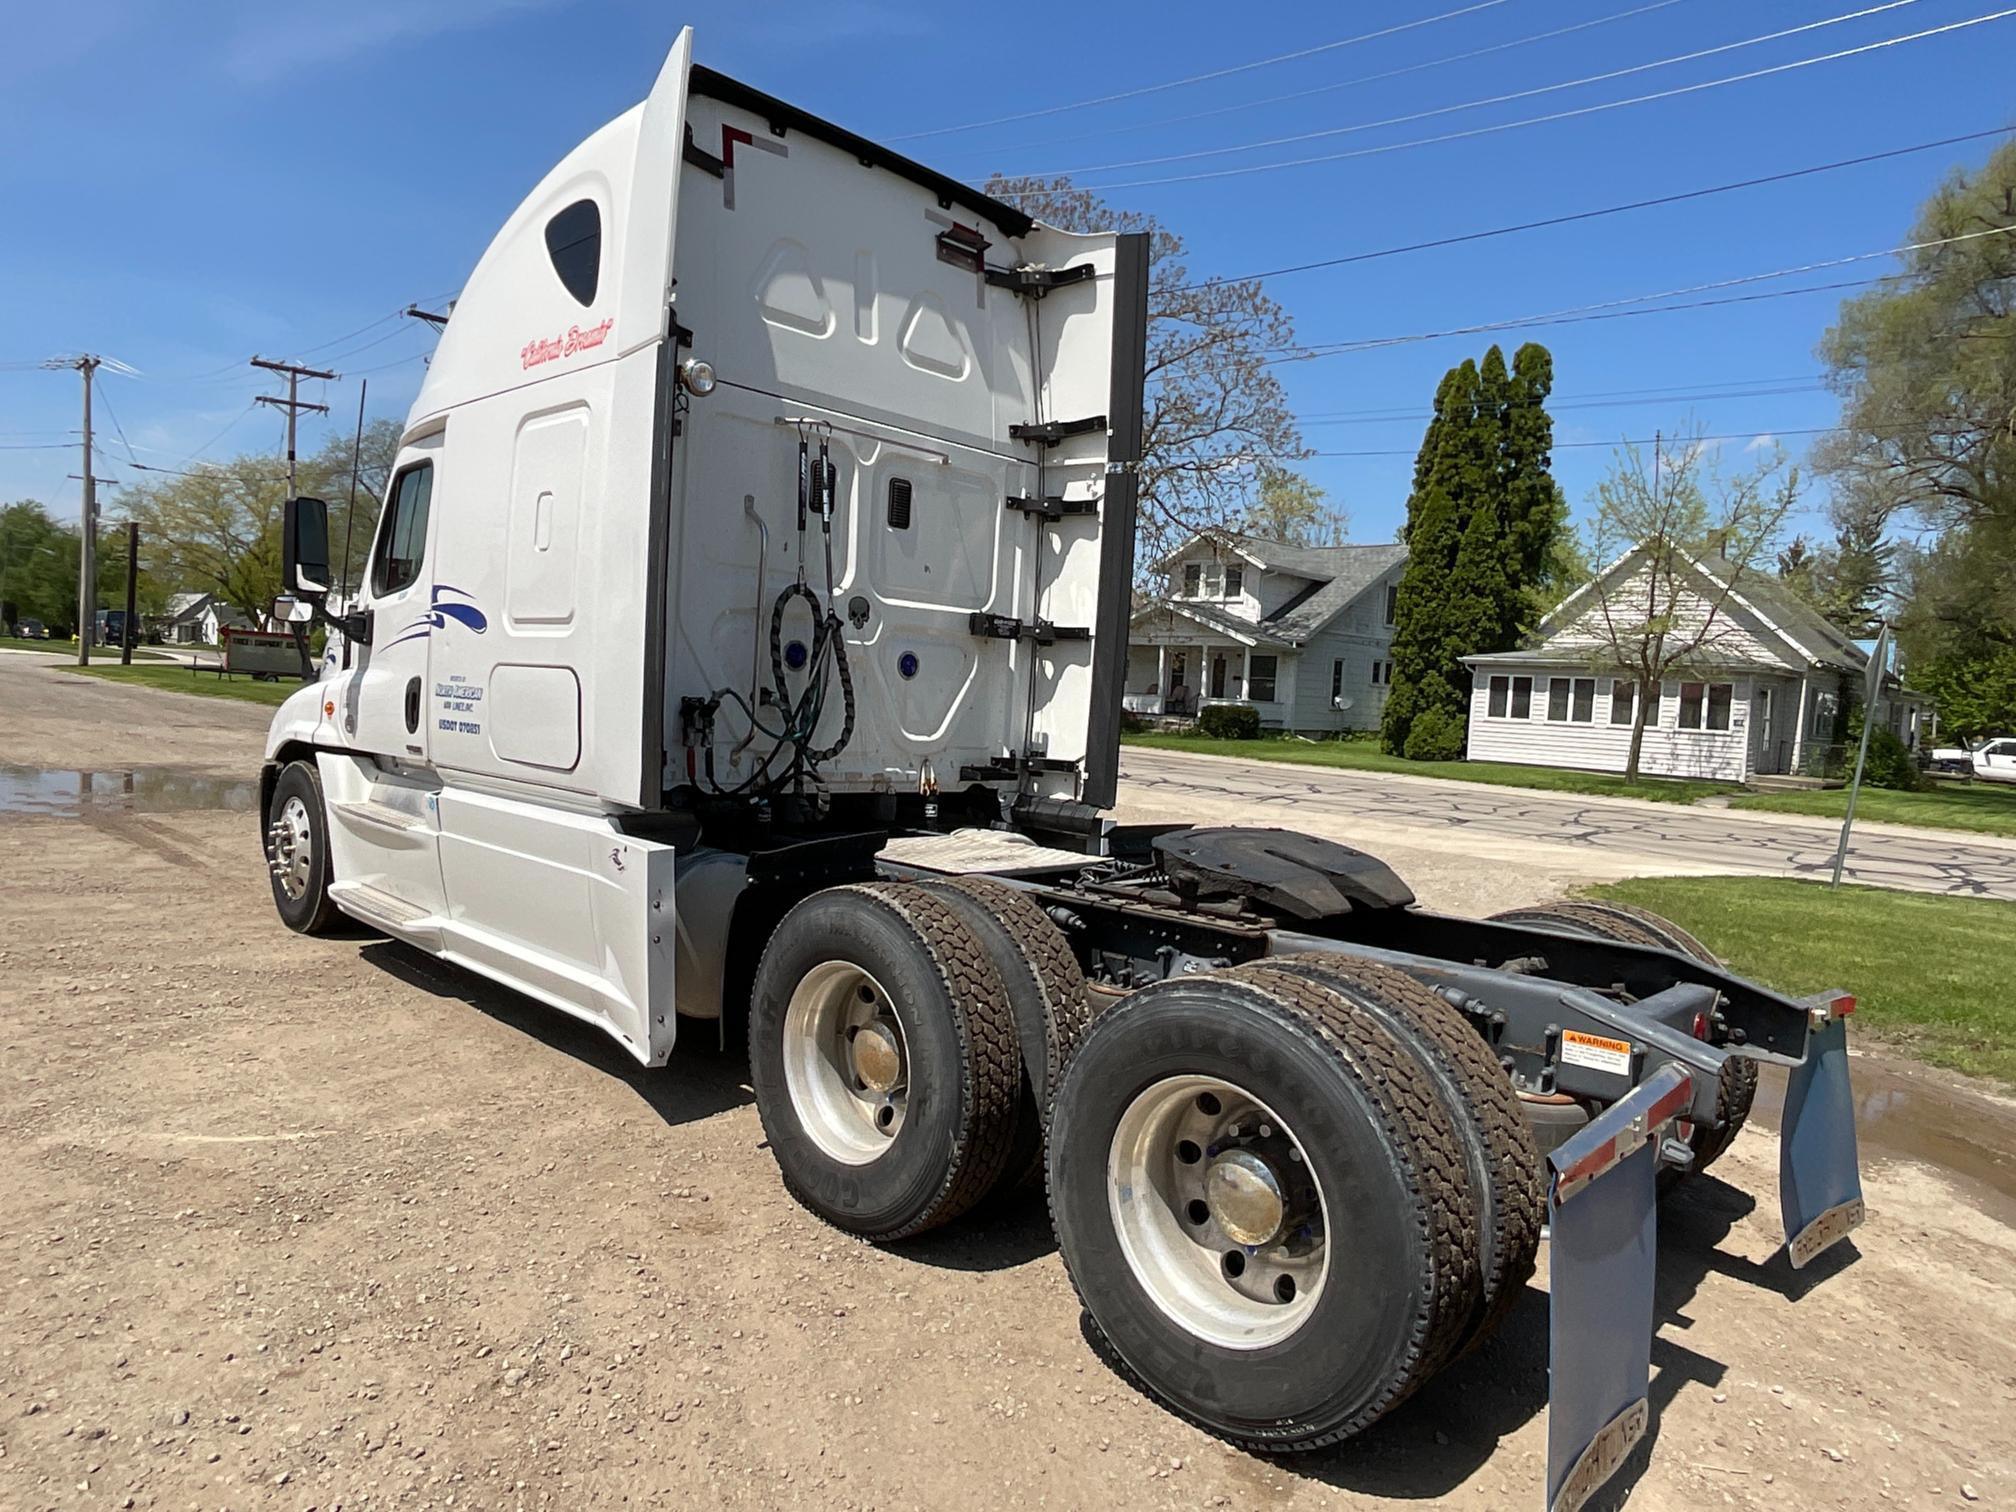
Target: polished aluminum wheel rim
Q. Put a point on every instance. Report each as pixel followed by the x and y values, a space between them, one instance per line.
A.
pixel 846 1065
pixel 291 848
pixel 1218 1212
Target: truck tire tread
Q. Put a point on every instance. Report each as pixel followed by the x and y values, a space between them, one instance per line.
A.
pixel 1511 1197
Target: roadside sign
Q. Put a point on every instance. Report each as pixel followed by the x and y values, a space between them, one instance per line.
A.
pixel 261 653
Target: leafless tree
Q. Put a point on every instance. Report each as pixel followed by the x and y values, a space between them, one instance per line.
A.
pixel 1217 422
pixel 1682 536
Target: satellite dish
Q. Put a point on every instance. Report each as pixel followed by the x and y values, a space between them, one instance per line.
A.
pixel 1342 702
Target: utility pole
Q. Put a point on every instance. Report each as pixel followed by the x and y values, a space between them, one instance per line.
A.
pixel 132 631
pixel 87 557
pixel 292 404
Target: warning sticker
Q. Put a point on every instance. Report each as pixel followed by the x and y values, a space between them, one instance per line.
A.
pixel 1596 1052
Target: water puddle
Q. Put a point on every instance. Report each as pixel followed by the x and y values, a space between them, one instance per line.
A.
pixel 74 793
pixel 1905 1114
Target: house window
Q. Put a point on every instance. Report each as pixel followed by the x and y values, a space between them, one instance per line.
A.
pixel 1583 709
pixel 1392 601
pixel 1193 578
pixel 1260 679
pixel 1235 581
pixel 402 533
pixel 1337 679
pixel 1621 700
pixel 1557 698
pixel 1522 698
pixel 1706 705
pixel 1721 698
pixel 1214 578
pixel 1501 690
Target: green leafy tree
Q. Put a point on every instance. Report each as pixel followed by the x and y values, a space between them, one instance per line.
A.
pixel 1291 508
pixel 38 566
pixel 1217 419
pixel 1926 368
pixel 216 528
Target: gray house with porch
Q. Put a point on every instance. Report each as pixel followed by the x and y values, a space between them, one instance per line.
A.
pixel 1304 634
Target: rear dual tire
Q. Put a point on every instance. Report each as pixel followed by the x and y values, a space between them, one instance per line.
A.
pixel 885 1059
pixel 1218 1133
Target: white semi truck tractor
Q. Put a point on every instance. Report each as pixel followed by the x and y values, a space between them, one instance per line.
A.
pixel 742 640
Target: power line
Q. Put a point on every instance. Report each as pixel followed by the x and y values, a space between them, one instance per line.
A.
pixel 118 429
pixel 1683 391
pixel 1554 405
pixel 1763 432
pixel 1375 78
pixel 1502 99
pixel 1203 78
pixel 1539 120
pixel 1584 215
pixel 1599 308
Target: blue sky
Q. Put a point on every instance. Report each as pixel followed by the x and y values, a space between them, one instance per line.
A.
pixel 186 182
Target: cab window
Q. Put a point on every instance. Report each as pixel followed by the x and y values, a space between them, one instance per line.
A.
pixel 402 534
pixel 574 242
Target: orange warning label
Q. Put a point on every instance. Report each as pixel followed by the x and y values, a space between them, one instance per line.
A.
pixel 1596 1052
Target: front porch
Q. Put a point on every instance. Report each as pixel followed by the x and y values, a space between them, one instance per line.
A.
pixel 1176 680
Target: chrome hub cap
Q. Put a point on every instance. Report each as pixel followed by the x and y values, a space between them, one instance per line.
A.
pixel 1245 1197
pixel 290 848
pixel 845 1063
pixel 1218 1212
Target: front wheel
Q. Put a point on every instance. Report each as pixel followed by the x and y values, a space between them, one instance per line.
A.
pixel 297 850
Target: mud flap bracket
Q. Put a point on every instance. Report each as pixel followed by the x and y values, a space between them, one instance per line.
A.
pixel 1602 1208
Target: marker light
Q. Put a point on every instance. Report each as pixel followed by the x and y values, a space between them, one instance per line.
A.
pixel 698 376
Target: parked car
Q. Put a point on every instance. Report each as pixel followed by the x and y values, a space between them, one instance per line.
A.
pixel 34 629
pixel 1992 759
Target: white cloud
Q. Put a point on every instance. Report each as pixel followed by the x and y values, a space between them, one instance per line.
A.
pixel 1763 442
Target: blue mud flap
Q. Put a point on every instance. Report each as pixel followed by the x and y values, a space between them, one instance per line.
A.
pixel 1602 1207
pixel 1819 1176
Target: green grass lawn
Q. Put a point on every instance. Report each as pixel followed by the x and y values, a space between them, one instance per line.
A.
pixel 1979 806
pixel 1930 973
pixel 1365 756
pixel 179 679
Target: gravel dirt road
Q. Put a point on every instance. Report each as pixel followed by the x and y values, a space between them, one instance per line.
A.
pixel 318 1224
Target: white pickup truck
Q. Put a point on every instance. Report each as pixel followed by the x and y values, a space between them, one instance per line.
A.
pixel 1991 760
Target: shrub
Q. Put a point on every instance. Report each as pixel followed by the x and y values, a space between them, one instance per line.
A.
pixel 1435 735
pixel 1230 722
pixel 1890 763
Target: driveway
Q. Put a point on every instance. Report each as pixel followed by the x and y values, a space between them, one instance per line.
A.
pixel 1550 834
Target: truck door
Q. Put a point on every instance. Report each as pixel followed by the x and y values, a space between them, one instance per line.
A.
pixel 384 822
pixel 388 695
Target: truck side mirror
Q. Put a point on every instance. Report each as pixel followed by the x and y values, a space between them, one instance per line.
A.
pixel 304 547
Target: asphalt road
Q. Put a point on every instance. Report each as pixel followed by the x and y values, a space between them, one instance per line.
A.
pixel 1618 836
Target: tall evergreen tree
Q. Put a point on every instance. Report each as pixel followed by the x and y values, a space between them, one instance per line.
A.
pixel 1450 472
pixel 1534 512
pixel 1483 523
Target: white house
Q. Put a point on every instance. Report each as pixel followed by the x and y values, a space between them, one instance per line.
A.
pixel 197 619
pixel 1302 633
pixel 1760 697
